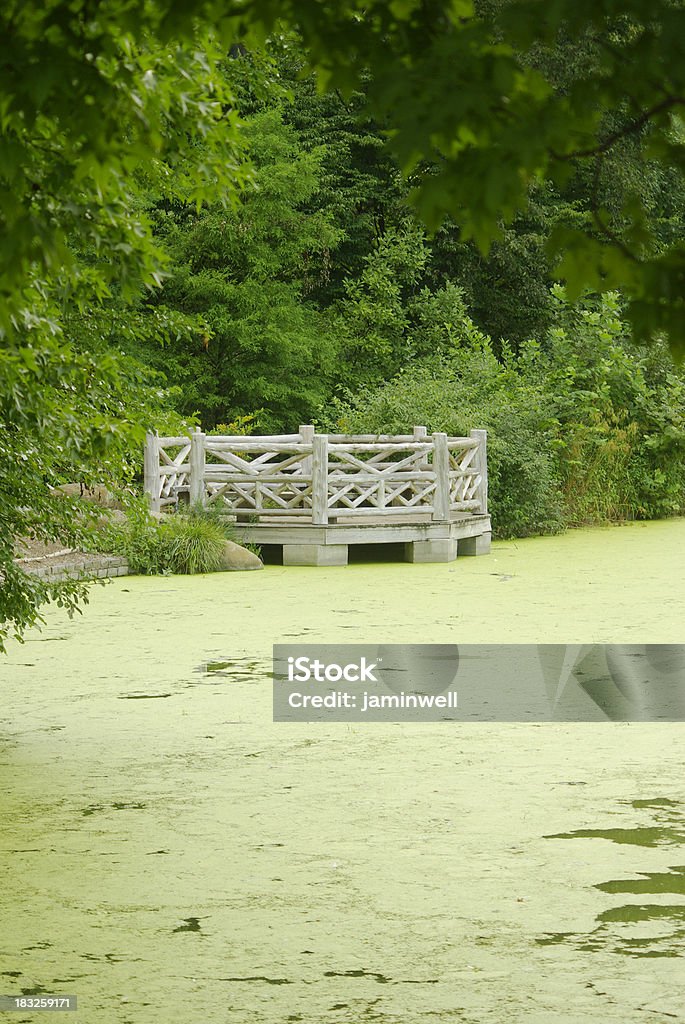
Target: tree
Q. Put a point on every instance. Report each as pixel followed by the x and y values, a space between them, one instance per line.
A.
pixel 92 96
pixel 248 272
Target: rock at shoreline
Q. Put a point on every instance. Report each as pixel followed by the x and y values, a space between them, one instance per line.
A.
pixel 97 495
pixel 236 558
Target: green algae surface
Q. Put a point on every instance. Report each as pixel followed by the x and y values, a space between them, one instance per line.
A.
pixel 171 855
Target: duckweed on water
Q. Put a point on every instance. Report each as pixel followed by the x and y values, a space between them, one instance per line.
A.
pixel 340 874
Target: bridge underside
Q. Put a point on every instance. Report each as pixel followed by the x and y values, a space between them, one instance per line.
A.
pixel 422 539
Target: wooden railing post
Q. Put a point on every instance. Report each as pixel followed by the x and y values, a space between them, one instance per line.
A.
pixel 421 434
pixel 151 474
pixel 306 434
pixel 197 467
pixel 481 464
pixel 320 479
pixel 441 469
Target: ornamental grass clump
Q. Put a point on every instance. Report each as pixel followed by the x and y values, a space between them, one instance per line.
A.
pixel 193 544
pixel 178 543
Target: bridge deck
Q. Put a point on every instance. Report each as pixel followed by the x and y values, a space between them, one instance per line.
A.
pixel 423 539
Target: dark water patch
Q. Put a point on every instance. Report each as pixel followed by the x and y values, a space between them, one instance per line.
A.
pixel 634 912
pixel 232 666
pixel 379 978
pixel 618 929
pixel 110 958
pixel 554 938
pixel 658 801
pixel 648 836
pixel 119 805
pixel 417 981
pixel 263 977
pixel 45 639
pixel 610 934
pixel 638 930
pixel 242 669
pixel 190 924
pixel 11 974
pixel 672 881
pixel 145 696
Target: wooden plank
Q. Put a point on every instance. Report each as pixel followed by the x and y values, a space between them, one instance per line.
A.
pixel 263 514
pixel 173 442
pixel 360 532
pixel 197 468
pixel 461 442
pixel 416 446
pixel 306 436
pixel 372 511
pixel 319 479
pixel 237 440
pixel 441 467
pixel 292 480
pixel 481 436
pixel 151 476
pixel 248 445
pixel 369 438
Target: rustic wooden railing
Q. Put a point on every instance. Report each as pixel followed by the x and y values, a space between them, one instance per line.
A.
pixel 319 477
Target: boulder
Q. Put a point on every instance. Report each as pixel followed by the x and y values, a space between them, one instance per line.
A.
pixel 98 495
pixel 236 558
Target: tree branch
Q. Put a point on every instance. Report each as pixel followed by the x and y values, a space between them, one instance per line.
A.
pixel 603 147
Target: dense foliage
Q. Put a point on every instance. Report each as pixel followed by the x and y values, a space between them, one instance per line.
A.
pixel 186 544
pixel 582 428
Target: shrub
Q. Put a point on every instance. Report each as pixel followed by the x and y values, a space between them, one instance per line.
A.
pixel 193 544
pixel 583 426
pixel 472 389
pixel 184 544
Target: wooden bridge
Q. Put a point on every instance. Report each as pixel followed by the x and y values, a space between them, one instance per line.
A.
pixel 315 494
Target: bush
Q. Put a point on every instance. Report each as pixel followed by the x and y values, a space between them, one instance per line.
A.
pixel 583 427
pixel 193 544
pixel 473 390
pixel 184 544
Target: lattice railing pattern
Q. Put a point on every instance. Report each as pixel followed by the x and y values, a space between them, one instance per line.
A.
pixel 465 476
pixel 167 469
pixel 319 477
pixel 261 476
pixel 392 476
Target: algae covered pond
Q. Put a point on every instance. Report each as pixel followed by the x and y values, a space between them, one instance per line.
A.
pixel 171 854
